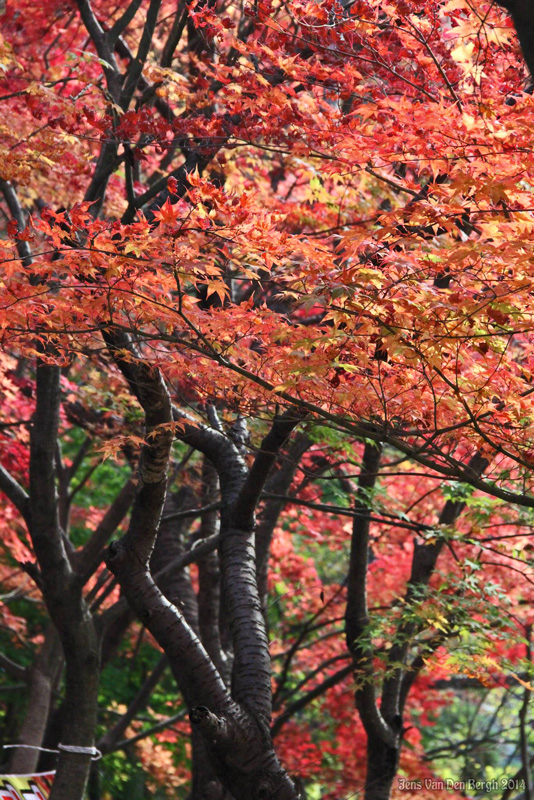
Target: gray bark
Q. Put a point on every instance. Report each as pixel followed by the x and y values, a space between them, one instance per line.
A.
pixel 42 679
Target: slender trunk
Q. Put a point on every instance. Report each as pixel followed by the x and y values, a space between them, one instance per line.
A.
pixel 279 483
pixel 42 679
pixel 209 581
pixel 62 591
pixel 383 743
pixel 169 546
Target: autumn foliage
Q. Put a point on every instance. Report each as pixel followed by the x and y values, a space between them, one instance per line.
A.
pixel 266 321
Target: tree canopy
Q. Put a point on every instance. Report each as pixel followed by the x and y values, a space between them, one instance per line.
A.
pixel 267 396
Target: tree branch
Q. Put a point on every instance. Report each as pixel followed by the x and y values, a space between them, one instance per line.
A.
pixel 250 493
pixel 209 579
pixel 129 558
pixel 108 742
pixel 15 209
pixel 277 486
pixel 135 67
pixel 175 35
pixel 192 512
pixel 212 443
pixel 306 699
pixel 159 726
pixel 16 494
pixel 386 519
pixel 122 23
pixel 252 666
pixel 88 560
pixel 101 43
pixel 16 671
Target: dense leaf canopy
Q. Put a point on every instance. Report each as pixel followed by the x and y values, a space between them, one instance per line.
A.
pixel 273 261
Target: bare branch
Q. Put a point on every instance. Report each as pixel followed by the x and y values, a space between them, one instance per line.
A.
pixel 88 560
pixel 385 519
pixel 175 35
pixel 135 67
pixel 45 529
pixel 16 494
pixel 15 209
pixel 278 484
pixel 100 41
pixel 312 695
pixel 122 23
pixel 357 613
pixel 12 668
pixel 192 512
pixel 250 494
pixel 108 742
pixel 159 726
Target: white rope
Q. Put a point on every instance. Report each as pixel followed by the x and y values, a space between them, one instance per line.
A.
pixel 94 752
pixel 29 747
pixel 67 748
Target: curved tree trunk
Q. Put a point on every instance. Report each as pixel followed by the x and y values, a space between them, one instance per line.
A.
pixel 176 586
pixel 234 725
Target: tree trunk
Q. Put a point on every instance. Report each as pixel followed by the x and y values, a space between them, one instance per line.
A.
pixel 205 783
pixel 210 606
pixel 81 701
pixel 522 12
pixel 382 766
pixel 42 679
pixel 62 592
pixel 169 546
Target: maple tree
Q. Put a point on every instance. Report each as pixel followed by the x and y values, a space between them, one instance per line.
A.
pixel 229 233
